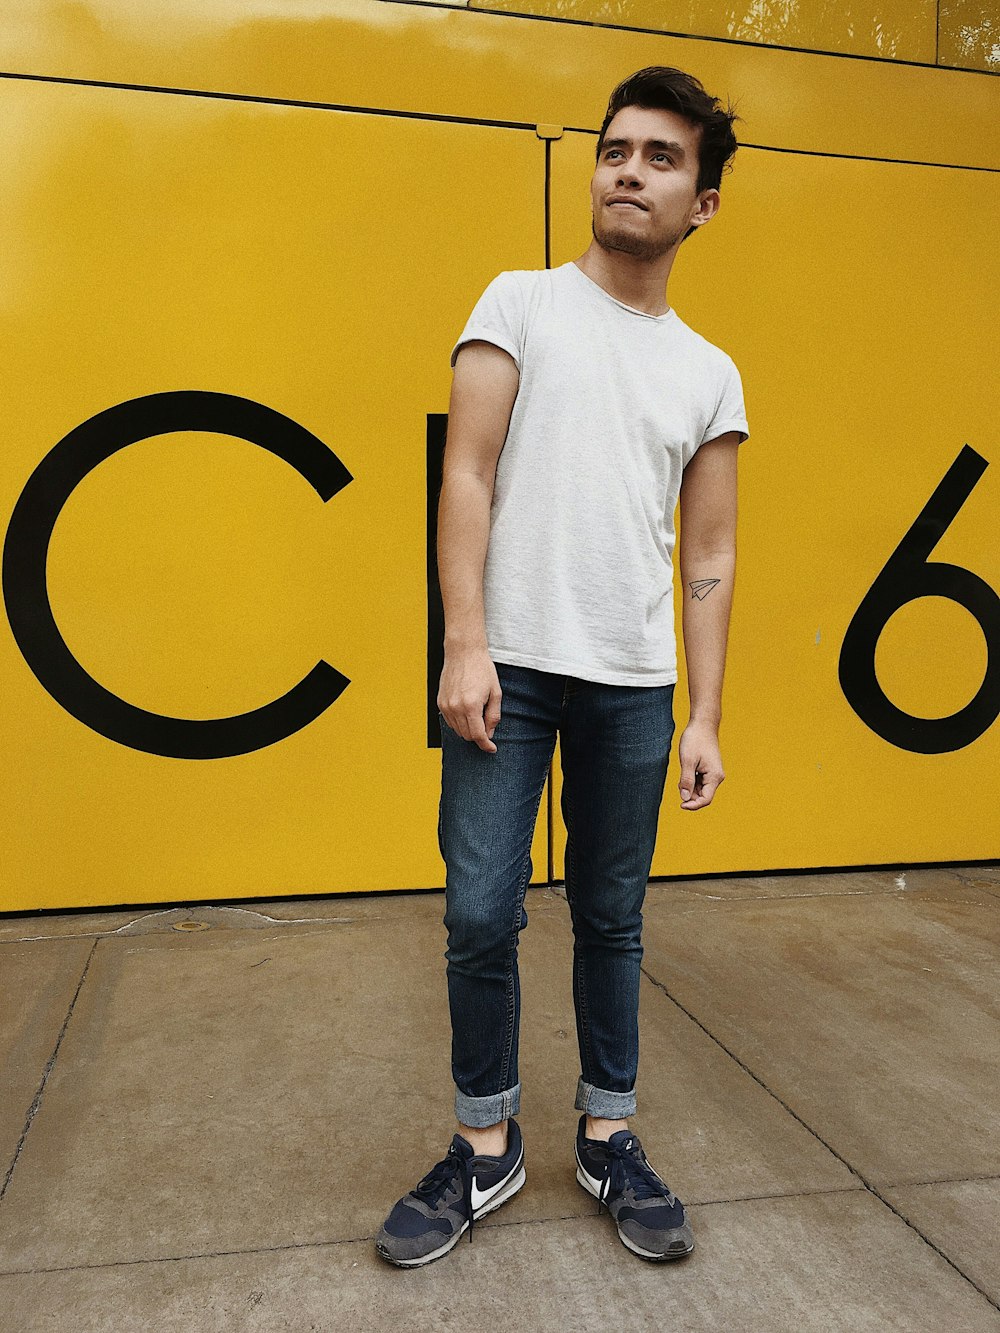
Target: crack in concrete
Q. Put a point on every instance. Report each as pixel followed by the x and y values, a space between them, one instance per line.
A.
pixel 37 1101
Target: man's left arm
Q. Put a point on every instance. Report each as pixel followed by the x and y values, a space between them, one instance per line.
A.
pixel 708 572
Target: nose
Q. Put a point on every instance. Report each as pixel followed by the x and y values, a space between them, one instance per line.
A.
pixel 628 174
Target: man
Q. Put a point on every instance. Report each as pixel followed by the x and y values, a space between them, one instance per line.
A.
pixel 581 407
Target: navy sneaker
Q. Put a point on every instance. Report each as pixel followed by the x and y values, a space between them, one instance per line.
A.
pixel 462 1187
pixel 650 1218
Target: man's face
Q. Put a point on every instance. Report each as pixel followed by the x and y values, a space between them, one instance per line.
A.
pixel 657 166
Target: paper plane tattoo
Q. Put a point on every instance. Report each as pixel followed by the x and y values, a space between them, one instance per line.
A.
pixel 700 588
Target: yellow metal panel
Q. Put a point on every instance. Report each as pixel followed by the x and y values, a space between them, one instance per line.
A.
pixel 458 62
pixel 969 34
pixel 891 29
pixel 156 242
pixel 859 304
pixel 320 264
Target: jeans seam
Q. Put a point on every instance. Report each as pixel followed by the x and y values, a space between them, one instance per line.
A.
pixel 580 987
pixel 519 908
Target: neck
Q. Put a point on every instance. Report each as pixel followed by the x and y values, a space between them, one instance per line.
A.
pixel 640 283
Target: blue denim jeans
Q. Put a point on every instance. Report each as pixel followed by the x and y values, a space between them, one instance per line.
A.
pixel 615 745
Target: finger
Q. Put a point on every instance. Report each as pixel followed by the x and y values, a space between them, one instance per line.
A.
pixel 477 733
pixel 462 725
pixel 453 721
pixel 687 783
pixel 705 788
pixel 492 714
pixel 710 787
pixel 695 802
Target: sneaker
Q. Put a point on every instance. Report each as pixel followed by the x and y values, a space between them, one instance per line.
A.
pixel 650 1218
pixel 458 1190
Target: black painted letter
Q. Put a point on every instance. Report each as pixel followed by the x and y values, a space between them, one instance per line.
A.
pixel 907 575
pixel 27 600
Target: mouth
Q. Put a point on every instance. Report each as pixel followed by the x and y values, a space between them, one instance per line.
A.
pixel 626 203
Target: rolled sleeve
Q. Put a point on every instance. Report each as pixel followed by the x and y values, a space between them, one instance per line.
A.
pixel 497 318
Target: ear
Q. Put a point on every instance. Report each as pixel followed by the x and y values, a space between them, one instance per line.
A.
pixel 714 199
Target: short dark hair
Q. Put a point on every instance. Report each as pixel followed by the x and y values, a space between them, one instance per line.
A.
pixel 665 88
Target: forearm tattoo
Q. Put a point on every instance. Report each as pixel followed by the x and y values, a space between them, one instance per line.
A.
pixel 700 588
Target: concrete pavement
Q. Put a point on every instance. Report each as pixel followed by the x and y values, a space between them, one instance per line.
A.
pixel 207 1111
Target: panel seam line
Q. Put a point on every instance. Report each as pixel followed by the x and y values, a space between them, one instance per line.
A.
pixel 443 117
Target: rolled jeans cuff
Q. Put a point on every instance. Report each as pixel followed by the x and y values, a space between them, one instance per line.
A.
pixel 482 1112
pixel 604 1105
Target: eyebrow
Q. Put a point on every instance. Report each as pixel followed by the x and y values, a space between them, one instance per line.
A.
pixel 668 144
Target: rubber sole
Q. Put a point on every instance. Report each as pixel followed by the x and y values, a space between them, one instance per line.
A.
pixel 508 1192
pixel 585 1183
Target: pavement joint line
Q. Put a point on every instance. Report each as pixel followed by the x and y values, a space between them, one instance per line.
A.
pixel 37 1101
pixel 270 1249
pixel 945 1180
pixel 491 1224
pixel 185 1258
pixel 274 1249
pixel 497 1224
pixel 815 1133
pixel 691 1203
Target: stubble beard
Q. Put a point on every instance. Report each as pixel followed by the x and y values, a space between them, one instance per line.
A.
pixel 629 242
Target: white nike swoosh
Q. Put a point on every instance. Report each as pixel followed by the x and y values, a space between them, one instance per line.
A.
pixel 479 1196
pixel 597 1184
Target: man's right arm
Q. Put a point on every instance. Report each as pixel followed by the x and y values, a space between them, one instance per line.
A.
pixel 483 391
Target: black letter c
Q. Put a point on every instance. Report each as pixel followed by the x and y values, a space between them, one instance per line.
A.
pixel 26 594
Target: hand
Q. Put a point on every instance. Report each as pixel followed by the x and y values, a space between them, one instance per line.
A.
pixel 701 765
pixel 469 685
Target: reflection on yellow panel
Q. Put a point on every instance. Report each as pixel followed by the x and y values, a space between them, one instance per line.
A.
pixel 969 34
pixel 891 29
pixel 858 303
pixel 166 245
pixel 460 62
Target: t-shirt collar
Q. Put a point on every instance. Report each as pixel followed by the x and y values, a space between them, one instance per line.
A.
pixel 667 314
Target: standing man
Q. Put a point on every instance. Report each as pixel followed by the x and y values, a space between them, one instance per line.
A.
pixel 582 406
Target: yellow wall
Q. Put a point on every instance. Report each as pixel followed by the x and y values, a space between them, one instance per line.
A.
pixel 232 218
pixel 958 33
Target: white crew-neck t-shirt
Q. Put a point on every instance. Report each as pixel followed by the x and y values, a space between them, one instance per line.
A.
pixel 612 404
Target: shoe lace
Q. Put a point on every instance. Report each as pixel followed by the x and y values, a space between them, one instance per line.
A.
pixel 437 1180
pixel 628 1166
